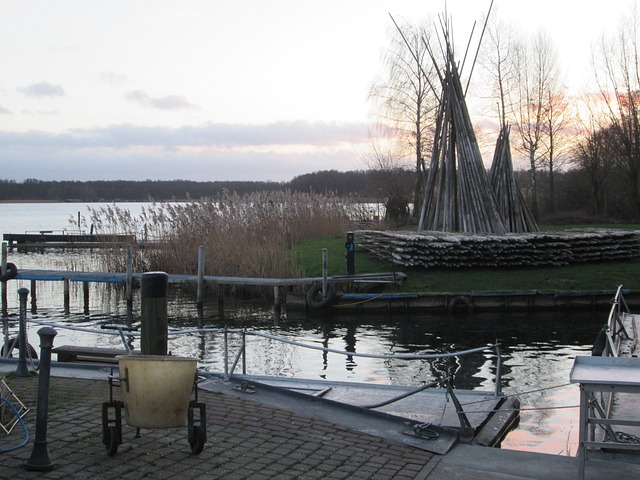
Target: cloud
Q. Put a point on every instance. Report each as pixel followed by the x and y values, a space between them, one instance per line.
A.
pixel 4 111
pixel 277 151
pixel 218 135
pixel 154 164
pixel 170 102
pixel 42 89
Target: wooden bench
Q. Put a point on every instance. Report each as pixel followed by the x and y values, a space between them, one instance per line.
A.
pixel 76 353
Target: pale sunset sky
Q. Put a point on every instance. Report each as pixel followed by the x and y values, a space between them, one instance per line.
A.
pixel 224 90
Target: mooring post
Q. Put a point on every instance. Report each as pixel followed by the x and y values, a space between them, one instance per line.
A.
pixel 39 459
pixel 276 297
pixel 85 296
pixel 22 370
pixel 200 290
pixel 154 329
pixel 65 283
pixel 34 300
pixel 129 285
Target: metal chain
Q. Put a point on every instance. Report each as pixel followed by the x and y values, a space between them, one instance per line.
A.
pixel 623 437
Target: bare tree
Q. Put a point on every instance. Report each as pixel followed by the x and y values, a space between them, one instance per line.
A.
pixel 389 167
pixel 536 77
pixel 403 97
pixel 593 156
pixel 617 69
pixel 556 140
pixel 497 61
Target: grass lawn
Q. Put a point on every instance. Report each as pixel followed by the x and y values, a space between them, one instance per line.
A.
pixel 579 277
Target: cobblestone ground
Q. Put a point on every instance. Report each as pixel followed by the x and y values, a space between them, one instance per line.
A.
pixel 245 441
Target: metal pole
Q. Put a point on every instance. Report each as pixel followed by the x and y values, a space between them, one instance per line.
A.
pixel 498 371
pixel 244 351
pixel 226 354
pixel 3 285
pixel 39 459
pixel 22 370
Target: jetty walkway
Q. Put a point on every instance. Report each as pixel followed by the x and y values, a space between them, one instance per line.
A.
pixel 250 439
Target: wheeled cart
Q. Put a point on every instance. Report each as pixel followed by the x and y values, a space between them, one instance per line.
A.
pixel 156 392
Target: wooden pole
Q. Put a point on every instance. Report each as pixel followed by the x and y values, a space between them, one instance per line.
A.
pixel 34 300
pixel 129 284
pixel 200 290
pixel 85 296
pixel 66 295
pixel 154 329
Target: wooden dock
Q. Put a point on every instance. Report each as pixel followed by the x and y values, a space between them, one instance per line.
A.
pixel 132 279
pixel 49 239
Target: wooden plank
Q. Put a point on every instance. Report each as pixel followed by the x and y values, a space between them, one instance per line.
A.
pixel 78 353
pixel 499 424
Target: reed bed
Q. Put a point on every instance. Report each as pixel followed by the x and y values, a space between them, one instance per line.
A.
pixel 248 235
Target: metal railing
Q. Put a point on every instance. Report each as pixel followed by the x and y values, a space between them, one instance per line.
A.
pixel 242 352
pixel 614 329
pixel 230 364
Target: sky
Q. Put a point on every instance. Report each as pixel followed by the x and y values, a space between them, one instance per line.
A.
pixel 212 90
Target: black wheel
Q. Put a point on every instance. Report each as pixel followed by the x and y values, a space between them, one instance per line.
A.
pixel 315 298
pixel 197 438
pixel 112 441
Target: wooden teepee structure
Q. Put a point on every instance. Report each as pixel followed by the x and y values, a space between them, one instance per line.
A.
pixel 458 196
pixel 513 210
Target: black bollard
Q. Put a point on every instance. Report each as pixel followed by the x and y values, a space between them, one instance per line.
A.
pixel 22 370
pixel 154 330
pixel 39 460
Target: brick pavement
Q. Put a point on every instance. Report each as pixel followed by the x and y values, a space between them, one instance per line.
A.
pixel 246 440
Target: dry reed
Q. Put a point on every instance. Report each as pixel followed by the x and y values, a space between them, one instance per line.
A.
pixel 248 236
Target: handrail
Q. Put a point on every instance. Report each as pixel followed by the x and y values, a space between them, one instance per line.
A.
pixel 614 327
pixel 243 350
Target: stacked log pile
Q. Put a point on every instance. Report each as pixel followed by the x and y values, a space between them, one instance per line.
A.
pixel 509 200
pixel 456 250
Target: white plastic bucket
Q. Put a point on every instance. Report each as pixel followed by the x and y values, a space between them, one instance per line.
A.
pixel 156 389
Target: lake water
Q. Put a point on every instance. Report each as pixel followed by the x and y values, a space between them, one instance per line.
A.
pixel 538 349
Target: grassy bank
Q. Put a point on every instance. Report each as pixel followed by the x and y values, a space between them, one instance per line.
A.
pixel 579 277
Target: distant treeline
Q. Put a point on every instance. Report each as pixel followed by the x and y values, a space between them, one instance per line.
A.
pixel 363 184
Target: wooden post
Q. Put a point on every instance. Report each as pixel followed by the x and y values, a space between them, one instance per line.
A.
pixel 85 291
pixel 34 300
pixel 277 303
pixel 66 295
pixel 129 285
pixel 154 329
pixel 200 290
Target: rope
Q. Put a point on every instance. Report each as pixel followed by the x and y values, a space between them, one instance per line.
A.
pixel 285 340
pixel 366 300
pixel 24 427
